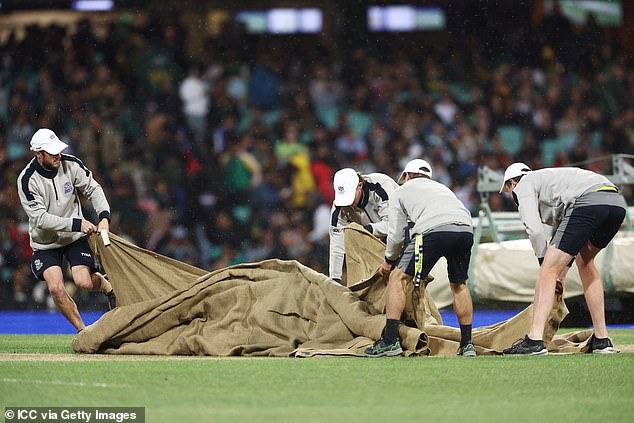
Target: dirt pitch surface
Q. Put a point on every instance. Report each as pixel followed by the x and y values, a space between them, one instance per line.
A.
pixel 72 357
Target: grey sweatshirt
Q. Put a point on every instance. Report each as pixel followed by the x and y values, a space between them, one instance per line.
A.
pixel 426 203
pixel 50 200
pixel 372 211
pixel 545 194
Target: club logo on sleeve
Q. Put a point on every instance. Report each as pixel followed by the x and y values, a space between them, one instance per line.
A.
pixel 340 188
pixel 68 187
pixel 38 264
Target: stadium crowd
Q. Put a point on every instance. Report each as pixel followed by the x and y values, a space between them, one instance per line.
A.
pixel 228 157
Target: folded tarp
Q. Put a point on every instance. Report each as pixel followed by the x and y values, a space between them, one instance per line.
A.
pixel 270 308
pixel 507 271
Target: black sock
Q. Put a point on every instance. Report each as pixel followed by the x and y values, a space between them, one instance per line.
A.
pixel 465 335
pixel 391 331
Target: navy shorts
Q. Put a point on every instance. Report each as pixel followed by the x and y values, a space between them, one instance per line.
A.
pixel 454 246
pixel 76 253
pixel 594 217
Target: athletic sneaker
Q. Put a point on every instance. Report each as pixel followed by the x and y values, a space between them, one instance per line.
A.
pixel 468 350
pixel 526 346
pixel 600 345
pixel 112 299
pixel 381 349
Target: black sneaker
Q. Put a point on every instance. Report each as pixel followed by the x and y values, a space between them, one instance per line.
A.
pixel 526 346
pixel 467 350
pixel 381 349
pixel 112 300
pixel 600 346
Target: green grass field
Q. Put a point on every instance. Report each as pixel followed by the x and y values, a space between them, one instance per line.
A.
pixel 38 370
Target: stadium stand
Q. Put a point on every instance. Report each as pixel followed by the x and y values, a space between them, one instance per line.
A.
pixel 249 188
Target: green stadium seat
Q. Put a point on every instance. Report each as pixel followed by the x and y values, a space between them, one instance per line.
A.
pixel 271 118
pixel 460 92
pixel 15 151
pixel 511 137
pixel 550 148
pixel 328 117
pixel 360 122
pixel 567 141
pixel 246 118
pixel 596 139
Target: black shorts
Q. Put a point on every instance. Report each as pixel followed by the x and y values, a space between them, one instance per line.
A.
pixel 454 246
pixel 594 217
pixel 76 253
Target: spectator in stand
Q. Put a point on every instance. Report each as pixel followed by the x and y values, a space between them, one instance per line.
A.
pixel 325 92
pixel 351 146
pixel 194 94
pixel 241 171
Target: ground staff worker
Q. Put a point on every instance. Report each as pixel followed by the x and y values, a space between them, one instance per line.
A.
pixel 442 228
pixel 362 199
pixel 587 211
pixel 48 188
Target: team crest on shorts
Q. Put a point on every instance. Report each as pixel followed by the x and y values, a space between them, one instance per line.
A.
pixel 38 264
pixel 68 187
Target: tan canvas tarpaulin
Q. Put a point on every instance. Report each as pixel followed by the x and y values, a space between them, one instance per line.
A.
pixel 271 308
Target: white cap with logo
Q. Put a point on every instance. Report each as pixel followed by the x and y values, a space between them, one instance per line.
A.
pixel 345 185
pixel 416 166
pixel 513 171
pixel 45 139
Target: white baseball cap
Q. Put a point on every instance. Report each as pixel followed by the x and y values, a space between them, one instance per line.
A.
pixel 513 171
pixel 345 185
pixel 416 166
pixel 45 139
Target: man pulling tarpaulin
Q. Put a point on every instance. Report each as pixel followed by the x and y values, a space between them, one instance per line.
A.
pixel 364 255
